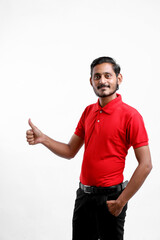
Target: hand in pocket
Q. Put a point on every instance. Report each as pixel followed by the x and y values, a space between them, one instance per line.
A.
pixel 114 208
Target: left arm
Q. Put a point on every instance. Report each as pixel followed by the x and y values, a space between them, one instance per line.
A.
pixel 140 174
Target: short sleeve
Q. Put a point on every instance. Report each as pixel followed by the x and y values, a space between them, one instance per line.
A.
pixel 136 132
pixel 80 129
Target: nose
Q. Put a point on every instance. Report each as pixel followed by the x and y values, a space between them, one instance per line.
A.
pixel 102 80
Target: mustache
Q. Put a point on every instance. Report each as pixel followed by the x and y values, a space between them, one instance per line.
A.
pixel 102 85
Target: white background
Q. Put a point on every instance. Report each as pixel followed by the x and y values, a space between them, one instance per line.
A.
pixel 46 48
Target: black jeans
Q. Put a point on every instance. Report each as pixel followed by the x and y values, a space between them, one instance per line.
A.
pixel 92 219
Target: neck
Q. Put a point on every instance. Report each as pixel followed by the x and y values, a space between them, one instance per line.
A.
pixel 104 101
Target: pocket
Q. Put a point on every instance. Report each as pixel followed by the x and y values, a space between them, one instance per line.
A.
pixel 122 215
pixel 114 197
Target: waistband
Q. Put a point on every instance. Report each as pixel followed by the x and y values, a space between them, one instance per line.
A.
pixel 103 190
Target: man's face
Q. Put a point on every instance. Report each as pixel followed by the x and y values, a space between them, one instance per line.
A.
pixel 104 80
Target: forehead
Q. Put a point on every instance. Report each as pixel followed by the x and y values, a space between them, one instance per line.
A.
pixel 103 67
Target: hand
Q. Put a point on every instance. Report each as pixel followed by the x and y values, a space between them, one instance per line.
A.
pixel 34 135
pixel 114 208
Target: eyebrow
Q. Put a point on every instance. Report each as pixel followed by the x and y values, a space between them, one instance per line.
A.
pixel 103 73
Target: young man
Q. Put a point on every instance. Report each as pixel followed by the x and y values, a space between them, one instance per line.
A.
pixel 108 129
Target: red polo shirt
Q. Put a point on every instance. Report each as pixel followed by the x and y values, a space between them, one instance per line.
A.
pixel 108 133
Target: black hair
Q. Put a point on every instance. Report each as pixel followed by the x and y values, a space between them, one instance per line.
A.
pixel 116 67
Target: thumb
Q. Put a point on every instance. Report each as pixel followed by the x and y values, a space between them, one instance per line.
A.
pixel 31 124
pixel 110 201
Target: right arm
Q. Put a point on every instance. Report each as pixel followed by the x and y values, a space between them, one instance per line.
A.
pixel 68 151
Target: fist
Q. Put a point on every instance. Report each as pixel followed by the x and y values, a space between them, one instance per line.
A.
pixel 34 135
pixel 114 208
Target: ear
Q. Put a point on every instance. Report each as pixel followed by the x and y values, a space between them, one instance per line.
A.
pixel 90 81
pixel 120 78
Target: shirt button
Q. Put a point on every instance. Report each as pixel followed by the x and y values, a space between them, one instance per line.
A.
pixel 97 120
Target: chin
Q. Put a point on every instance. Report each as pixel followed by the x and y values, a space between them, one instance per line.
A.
pixel 103 96
pixel 106 94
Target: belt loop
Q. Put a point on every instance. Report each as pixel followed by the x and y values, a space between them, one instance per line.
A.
pixel 124 184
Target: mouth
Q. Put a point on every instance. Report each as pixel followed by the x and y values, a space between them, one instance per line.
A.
pixel 103 87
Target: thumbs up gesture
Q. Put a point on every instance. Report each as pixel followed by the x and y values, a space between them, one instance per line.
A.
pixel 34 135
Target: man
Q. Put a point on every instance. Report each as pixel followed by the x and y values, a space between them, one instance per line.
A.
pixel 108 129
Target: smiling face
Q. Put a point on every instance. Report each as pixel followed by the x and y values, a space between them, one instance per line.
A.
pixel 104 80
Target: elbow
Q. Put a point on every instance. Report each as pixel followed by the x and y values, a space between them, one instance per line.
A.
pixel 148 168
pixel 70 156
pixel 70 153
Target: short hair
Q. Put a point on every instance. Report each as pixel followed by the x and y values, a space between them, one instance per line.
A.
pixel 116 67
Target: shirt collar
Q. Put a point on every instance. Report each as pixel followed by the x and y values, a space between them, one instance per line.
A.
pixel 109 107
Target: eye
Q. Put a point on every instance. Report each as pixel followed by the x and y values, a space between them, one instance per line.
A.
pixel 96 77
pixel 108 76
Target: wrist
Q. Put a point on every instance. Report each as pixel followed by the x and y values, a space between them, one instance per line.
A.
pixel 44 139
pixel 121 201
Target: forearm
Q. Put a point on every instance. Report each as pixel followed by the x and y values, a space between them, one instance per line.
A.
pixel 58 148
pixel 135 183
pixel 35 136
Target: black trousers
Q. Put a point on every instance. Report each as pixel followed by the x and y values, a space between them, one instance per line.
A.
pixel 92 219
